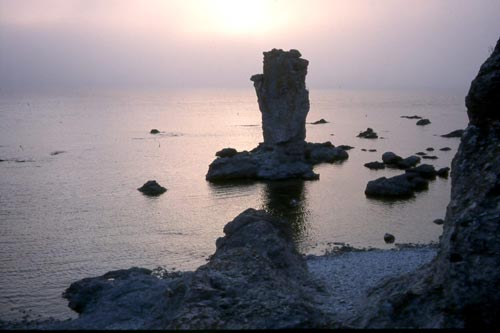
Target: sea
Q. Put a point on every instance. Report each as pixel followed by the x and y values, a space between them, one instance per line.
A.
pixel 72 163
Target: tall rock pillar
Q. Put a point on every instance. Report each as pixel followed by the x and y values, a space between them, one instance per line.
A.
pixel 283 97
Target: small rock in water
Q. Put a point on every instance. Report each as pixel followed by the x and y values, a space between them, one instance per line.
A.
pixel 421 153
pixel 429 149
pixel 363 149
pixel 443 172
pixel 391 158
pixel 151 187
pixel 430 157
pixel 154 131
pixel 445 149
pixel 345 147
pixel 375 165
pixel 57 152
pixel 372 150
pixel 438 221
pixel 454 134
pixel 423 122
pixel 412 117
pixel 389 239
pixel 321 121
pixel 368 134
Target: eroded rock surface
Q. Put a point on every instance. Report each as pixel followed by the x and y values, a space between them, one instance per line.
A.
pixel 255 280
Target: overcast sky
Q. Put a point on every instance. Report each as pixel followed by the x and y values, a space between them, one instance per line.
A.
pixel 219 43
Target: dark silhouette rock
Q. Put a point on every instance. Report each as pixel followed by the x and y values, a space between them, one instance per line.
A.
pixel 425 171
pixel 226 152
pixel 57 152
pixel 454 134
pixel 391 158
pixel 445 149
pixel 368 134
pixel 421 153
pixel 459 288
pixel 154 131
pixel 256 279
pixel 443 172
pixel 408 162
pixel 372 150
pixel 282 96
pixel 152 188
pixel 284 104
pixel 438 221
pixel 429 149
pixel 423 122
pixel 389 238
pixel 483 99
pixel 401 186
pixel 345 147
pixel 318 122
pixel 412 117
pixel 375 165
pixel 430 157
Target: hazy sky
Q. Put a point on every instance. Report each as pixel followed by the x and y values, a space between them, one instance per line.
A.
pixel 219 43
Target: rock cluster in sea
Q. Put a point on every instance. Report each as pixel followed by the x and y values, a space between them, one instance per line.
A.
pixel 459 288
pixel 284 104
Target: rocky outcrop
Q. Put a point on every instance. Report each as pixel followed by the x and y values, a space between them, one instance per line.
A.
pixel 423 122
pixel 284 103
pixel 368 134
pixel 454 134
pixel 255 280
pixel 459 288
pixel 152 188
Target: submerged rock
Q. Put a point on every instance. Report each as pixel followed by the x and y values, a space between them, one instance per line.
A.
pixel 152 188
pixel 454 134
pixel 430 157
pixel 438 221
pixel 368 134
pixel 401 186
pixel 412 117
pixel 318 122
pixel 445 149
pixel 423 122
pixel 154 131
pixel 256 279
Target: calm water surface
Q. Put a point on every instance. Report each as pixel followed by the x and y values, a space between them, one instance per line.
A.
pixel 77 214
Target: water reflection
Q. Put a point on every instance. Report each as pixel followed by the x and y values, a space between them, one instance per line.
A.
pixel 287 199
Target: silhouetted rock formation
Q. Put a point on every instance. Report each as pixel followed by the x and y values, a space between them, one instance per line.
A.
pixel 459 288
pixel 284 104
pixel 423 122
pixel 454 134
pixel 152 188
pixel 255 280
pixel 368 134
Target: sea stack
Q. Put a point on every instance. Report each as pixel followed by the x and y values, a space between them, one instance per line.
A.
pixel 283 97
pixel 284 104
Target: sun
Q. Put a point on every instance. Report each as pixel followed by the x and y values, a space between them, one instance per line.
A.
pixel 236 17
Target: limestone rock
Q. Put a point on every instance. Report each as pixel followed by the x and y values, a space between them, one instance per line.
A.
pixel 483 99
pixel 282 96
pixel 256 279
pixel 459 288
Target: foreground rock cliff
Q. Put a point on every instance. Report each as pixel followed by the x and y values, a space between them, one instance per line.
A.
pixel 254 280
pixel 460 288
pixel 284 104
